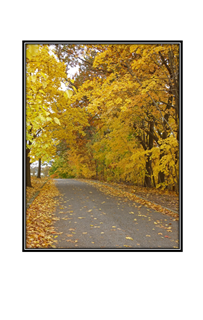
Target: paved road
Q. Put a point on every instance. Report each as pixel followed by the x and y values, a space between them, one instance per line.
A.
pixel 91 219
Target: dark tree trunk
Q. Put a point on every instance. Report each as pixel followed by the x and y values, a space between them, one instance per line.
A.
pixel 28 176
pixel 39 169
pixel 148 182
pixel 161 176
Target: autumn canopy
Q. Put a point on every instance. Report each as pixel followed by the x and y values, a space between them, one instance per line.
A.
pixel 115 119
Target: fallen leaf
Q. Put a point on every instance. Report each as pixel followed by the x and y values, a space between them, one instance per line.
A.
pixel 147 235
pixel 129 238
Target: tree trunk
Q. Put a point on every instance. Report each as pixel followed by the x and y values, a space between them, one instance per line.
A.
pixel 147 179
pixel 148 182
pixel 28 177
pixel 39 169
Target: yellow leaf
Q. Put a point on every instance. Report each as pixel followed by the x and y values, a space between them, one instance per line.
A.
pixel 129 238
pixel 68 94
pixel 32 51
pixel 57 120
pixel 147 235
pixel 42 91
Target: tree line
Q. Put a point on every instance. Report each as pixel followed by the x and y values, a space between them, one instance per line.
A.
pixel 118 119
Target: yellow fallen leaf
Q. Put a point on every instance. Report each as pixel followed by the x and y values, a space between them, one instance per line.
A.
pixel 81 217
pixel 160 233
pixel 155 222
pixel 147 235
pixel 129 238
pixel 113 227
pixel 84 233
pixel 135 219
pixel 91 225
pixel 131 212
pixel 89 210
pixel 102 232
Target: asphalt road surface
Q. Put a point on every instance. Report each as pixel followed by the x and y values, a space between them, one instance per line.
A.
pixel 91 219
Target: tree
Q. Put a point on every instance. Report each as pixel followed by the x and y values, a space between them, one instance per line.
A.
pixel 49 115
pixel 132 92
